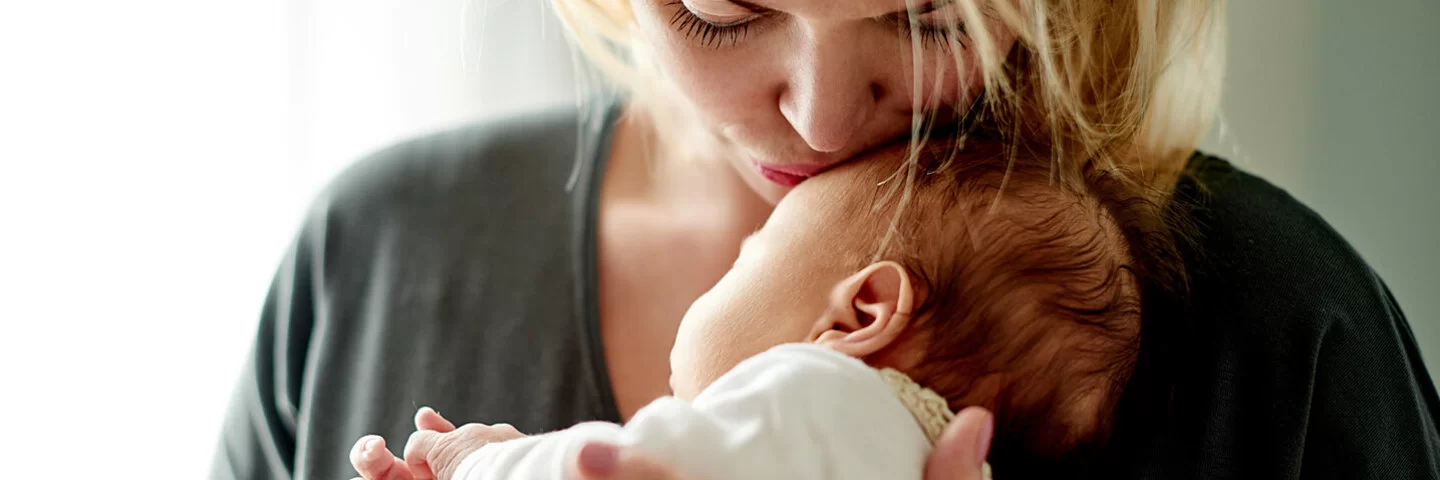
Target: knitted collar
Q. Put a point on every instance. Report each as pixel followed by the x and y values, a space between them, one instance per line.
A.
pixel 930 409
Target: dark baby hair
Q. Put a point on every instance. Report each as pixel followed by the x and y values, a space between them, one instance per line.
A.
pixel 1031 301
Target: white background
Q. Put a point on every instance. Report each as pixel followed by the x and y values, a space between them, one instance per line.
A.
pixel 155 159
pixel 156 156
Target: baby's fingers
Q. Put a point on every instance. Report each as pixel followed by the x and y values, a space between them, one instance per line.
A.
pixel 429 419
pixel 432 454
pixel 421 452
pixel 374 462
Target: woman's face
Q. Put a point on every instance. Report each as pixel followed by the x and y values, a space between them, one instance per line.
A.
pixel 797 86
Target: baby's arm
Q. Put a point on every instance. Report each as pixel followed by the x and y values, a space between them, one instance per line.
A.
pixel 698 443
pixel 439 450
pixel 795 412
pixel 792 413
pixel 535 457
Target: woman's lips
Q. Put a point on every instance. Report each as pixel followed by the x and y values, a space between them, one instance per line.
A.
pixel 788 176
pixel 780 178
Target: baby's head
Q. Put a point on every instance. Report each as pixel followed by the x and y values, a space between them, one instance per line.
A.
pixel 995 288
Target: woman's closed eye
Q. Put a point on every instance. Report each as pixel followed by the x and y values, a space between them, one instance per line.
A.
pixel 712 29
pixel 936 22
pixel 723 23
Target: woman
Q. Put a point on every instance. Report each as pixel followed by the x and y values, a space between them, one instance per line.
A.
pixel 543 265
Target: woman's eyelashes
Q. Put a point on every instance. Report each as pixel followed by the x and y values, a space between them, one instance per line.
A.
pixel 716 33
pixel 709 33
pixel 936 28
pixel 937 36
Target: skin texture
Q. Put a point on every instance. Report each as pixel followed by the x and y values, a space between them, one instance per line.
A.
pixel 793 282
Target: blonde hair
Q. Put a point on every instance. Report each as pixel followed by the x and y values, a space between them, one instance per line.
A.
pixel 1097 83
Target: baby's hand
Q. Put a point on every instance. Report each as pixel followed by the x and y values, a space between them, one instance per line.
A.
pixel 434 451
pixel 374 462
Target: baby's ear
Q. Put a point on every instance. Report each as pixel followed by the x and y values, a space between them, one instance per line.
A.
pixel 868 311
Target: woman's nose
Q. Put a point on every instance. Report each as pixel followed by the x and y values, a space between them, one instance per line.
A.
pixel 829 94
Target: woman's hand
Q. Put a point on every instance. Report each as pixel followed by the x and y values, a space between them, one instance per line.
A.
pixel 434 451
pixel 959 455
pixel 961 451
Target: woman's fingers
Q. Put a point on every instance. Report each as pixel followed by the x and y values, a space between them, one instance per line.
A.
pixel 373 462
pixel 604 461
pixel 429 419
pixel 961 451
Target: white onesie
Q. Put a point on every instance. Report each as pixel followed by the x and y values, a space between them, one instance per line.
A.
pixel 797 411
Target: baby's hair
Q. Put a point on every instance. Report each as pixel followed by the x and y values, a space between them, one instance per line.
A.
pixel 1031 294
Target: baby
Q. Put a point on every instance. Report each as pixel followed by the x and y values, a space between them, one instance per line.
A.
pixel 846 333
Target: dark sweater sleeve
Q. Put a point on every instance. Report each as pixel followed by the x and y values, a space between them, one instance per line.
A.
pixel 1290 358
pixel 453 270
pixel 1373 406
pixel 259 433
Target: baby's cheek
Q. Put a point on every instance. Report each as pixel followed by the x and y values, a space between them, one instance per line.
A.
pixel 688 356
pixel 702 354
pixel 689 375
pixel 681 369
pixel 743 316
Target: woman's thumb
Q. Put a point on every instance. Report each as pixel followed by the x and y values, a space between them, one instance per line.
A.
pixel 605 461
pixel 961 451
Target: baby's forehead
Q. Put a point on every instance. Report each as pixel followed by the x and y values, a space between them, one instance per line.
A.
pixel 852 201
pixel 861 190
pixel 825 209
pixel 855 181
pixel 841 195
pixel 974 193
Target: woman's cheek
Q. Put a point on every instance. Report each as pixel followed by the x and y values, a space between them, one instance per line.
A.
pixel 725 85
pixel 942 83
pixel 722 83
